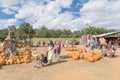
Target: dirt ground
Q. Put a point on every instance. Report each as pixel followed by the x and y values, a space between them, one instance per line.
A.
pixel 66 69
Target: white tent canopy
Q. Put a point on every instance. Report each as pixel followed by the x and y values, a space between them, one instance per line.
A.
pixel 111 34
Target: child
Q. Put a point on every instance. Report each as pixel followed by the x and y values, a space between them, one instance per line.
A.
pixel 57 50
pixel 42 60
pixel 104 51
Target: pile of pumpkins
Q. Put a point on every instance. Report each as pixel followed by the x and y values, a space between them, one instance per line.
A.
pixel 83 53
pixel 73 48
pixel 22 57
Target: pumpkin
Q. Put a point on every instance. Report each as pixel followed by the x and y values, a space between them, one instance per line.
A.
pixel 90 59
pixel 99 55
pixel 18 61
pixel 75 57
pixel 2 62
pixel 11 61
pixel 74 49
pixel 96 57
pixel 77 53
pixel 85 56
pixel 80 50
pixel 27 61
pixel 26 58
pixel 81 56
pixel 3 54
pixel 21 60
pixel 70 49
pixel 7 62
pixel 91 51
pixel 11 57
pixel 90 54
pixel 69 55
pixel 67 49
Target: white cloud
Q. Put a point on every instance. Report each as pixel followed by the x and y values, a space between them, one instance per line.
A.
pixel 8 3
pixel 47 15
pixel 7 22
pixel 9 6
pixel 7 11
pixel 101 13
pixel 46 12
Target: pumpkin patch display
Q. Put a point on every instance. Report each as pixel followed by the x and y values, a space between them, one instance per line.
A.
pixel 82 53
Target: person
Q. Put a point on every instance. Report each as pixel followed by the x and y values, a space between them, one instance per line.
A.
pixel 62 43
pixel 50 52
pixel 88 43
pixel 43 60
pixel 109 45
pixel 57 50
pixel 92 44
pixel 66 43
pixel 104 51
pixel 98 43
pixel 43 43
pixel 111 52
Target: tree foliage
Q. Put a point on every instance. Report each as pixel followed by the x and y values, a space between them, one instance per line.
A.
pixel 25 31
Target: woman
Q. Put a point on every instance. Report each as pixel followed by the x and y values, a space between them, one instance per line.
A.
pixel 50 52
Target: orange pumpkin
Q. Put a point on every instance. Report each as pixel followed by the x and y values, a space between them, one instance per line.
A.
pixel 77 53
pixel 81 56
pixel 96 57
pixel 90 59
pixel 26 58
pixel 85 56
pixel 3 54
pixel 99 55
pixel 69 55
pixel 90 54
pixel 80 50
pixel 18 61
pixel 7 62
pixel 11 61
pixel 75 57
pixel 2 62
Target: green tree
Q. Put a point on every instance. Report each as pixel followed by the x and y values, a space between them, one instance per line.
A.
pixel 25 31
pixel 3 33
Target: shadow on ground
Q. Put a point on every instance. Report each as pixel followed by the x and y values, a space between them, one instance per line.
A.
pixel 53 63
pixel 63 56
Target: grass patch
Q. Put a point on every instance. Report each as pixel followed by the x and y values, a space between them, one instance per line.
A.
pixel 45 39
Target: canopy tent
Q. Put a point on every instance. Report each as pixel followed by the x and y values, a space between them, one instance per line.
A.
pixel 111 34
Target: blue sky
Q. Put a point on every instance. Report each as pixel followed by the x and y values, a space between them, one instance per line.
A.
pixel 60 14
